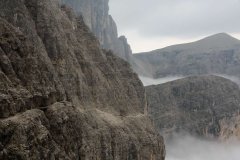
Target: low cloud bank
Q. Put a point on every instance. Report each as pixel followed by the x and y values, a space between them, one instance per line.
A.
pixel 147 81
pixel 151 81
pixel 191 148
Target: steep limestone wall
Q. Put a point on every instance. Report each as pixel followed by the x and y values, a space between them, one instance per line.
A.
pixel 61 96
pixel 96 16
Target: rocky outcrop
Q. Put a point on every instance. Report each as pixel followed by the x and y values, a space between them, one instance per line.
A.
pixel 61 96
pixel 206 106
pixel 63 131
pixel 96 16
pixel 217 54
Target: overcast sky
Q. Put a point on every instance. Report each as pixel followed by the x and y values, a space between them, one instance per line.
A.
pixel 153 24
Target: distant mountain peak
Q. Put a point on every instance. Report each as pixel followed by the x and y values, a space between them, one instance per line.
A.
pixel 220 37
pixel 222 34
pixel 219 41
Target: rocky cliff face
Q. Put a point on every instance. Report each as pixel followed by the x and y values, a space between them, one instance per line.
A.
pixel 206 106
pixel 61 96
pixel 96 16
pixel 217 54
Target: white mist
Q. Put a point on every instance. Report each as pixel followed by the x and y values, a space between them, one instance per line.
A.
pixel 147 81
pixel 192 148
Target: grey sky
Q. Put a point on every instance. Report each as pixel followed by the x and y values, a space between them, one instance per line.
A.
pixel 152 24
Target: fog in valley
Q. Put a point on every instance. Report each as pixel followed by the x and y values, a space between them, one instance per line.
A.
pixel 186 147
pixel 192 148
pixel 147 81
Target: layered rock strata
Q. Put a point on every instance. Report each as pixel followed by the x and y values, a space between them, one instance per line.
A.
pixel 61 96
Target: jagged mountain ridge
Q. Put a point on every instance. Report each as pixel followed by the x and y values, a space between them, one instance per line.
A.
pixel 96 15
pixel 97 18
pixel 206 106
pixel 217 54
pixel 61 96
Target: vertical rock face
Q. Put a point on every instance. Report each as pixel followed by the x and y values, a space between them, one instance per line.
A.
pixel 97 18
pixel 61 96
pixel 87 74
pixel 206 106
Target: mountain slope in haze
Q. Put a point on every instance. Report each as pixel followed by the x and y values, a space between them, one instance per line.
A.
pixel 205 106
pixel 96 16
pixel 217 54
pixel 220 41
pixel 62 96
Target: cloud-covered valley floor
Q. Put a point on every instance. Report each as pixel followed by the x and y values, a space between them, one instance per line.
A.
pixel 191 148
